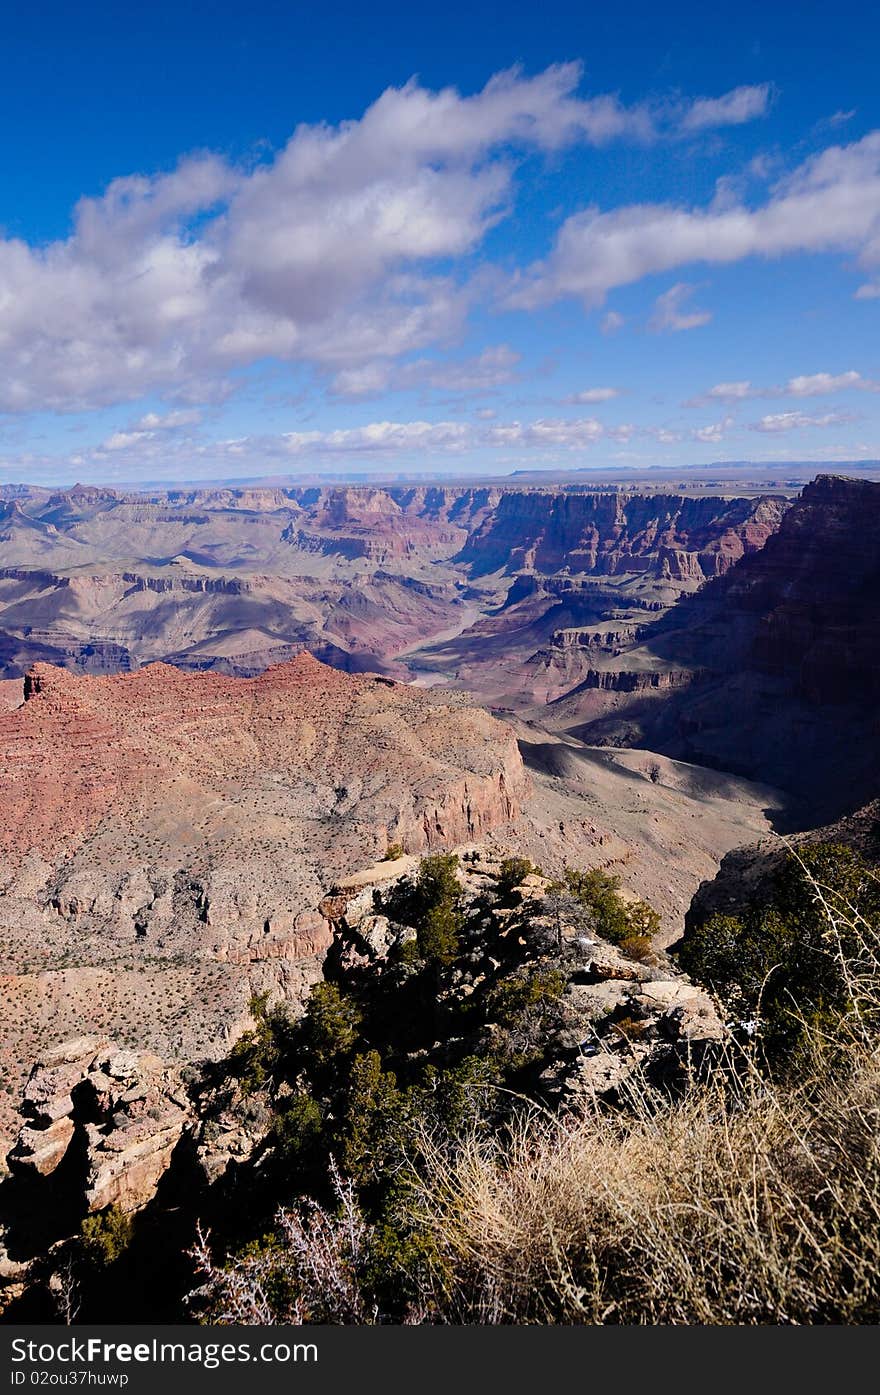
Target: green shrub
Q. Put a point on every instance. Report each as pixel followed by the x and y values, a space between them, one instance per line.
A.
pixel 439 914
pixel 371 1133
pixel 258 1055
pixel 105 1235
pixel 520 993
pixel 296 1130
pixel 593 897
pixel 777 962
pixel 511 873
pixel 330 1026
pixel 438 934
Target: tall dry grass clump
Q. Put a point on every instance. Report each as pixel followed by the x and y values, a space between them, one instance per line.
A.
pixel 746 1201
pixel 759 1209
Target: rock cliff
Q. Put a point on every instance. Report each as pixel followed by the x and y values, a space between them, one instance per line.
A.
pixel 166 837
pixel 673 536
pixel 788 644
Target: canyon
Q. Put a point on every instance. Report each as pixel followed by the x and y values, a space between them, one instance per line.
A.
pixel 101 581
pixel 167 838
pixel 225 713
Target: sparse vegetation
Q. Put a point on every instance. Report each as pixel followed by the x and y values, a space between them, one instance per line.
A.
pixel 105 1236
pixel 745 1197
pixel 591 902
pixel 787 966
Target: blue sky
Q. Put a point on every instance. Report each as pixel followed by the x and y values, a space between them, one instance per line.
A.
pixel 287 239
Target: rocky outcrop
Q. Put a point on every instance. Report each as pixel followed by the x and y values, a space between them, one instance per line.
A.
pixel 603 641
pixel 746 874
pixel 684 539
pixel 531 985
pixel 125 1111
pixel 638 680
pixel 167 836
pixel 617 1018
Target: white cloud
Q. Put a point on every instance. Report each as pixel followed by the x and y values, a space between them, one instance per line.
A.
pixel 330 253
pixel 147 427
pixel 714 432
pixel 804 385
pixel 381 436
pixel 817 384
pixel 733 109
pixel 593 394
pixel 582 432
pixel 830 203
pixel 122 440
pixel 668 314
pixel 612 322
pixel 730 392
pixel 794 421
pixel 168 421
pixel 481 373
pixel 177 456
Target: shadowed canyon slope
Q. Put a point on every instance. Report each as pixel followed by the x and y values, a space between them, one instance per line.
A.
pixel 238 579
pixel 773 670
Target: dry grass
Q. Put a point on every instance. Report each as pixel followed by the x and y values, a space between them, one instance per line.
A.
pixel 764 1209
pixel 744 1202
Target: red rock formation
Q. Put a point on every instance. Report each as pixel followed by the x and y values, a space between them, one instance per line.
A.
pixel 81 748
pixel 675 536
pixel 789 641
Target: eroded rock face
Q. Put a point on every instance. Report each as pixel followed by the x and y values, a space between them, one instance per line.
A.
pixel 308 743
pixel 607 534
pixel 167 837
pixel 126 1109
pixel 789 645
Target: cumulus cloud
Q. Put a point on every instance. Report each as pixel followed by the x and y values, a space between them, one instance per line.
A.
pixel 169 421
pixel 176 456
pixel 830 203
pixel 670 317
pixel 794 421
pixel 730 392
pixel 381 436
pixel 713 432
pixel 804 385
pixel 593 394
pixel 733 109
pixel 330 253
pixel 481 373
pixel 817 384
pixel 122 440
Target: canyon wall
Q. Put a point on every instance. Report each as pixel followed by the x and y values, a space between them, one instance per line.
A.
pixel 167 838
pixel 788 644
pixel 673 536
